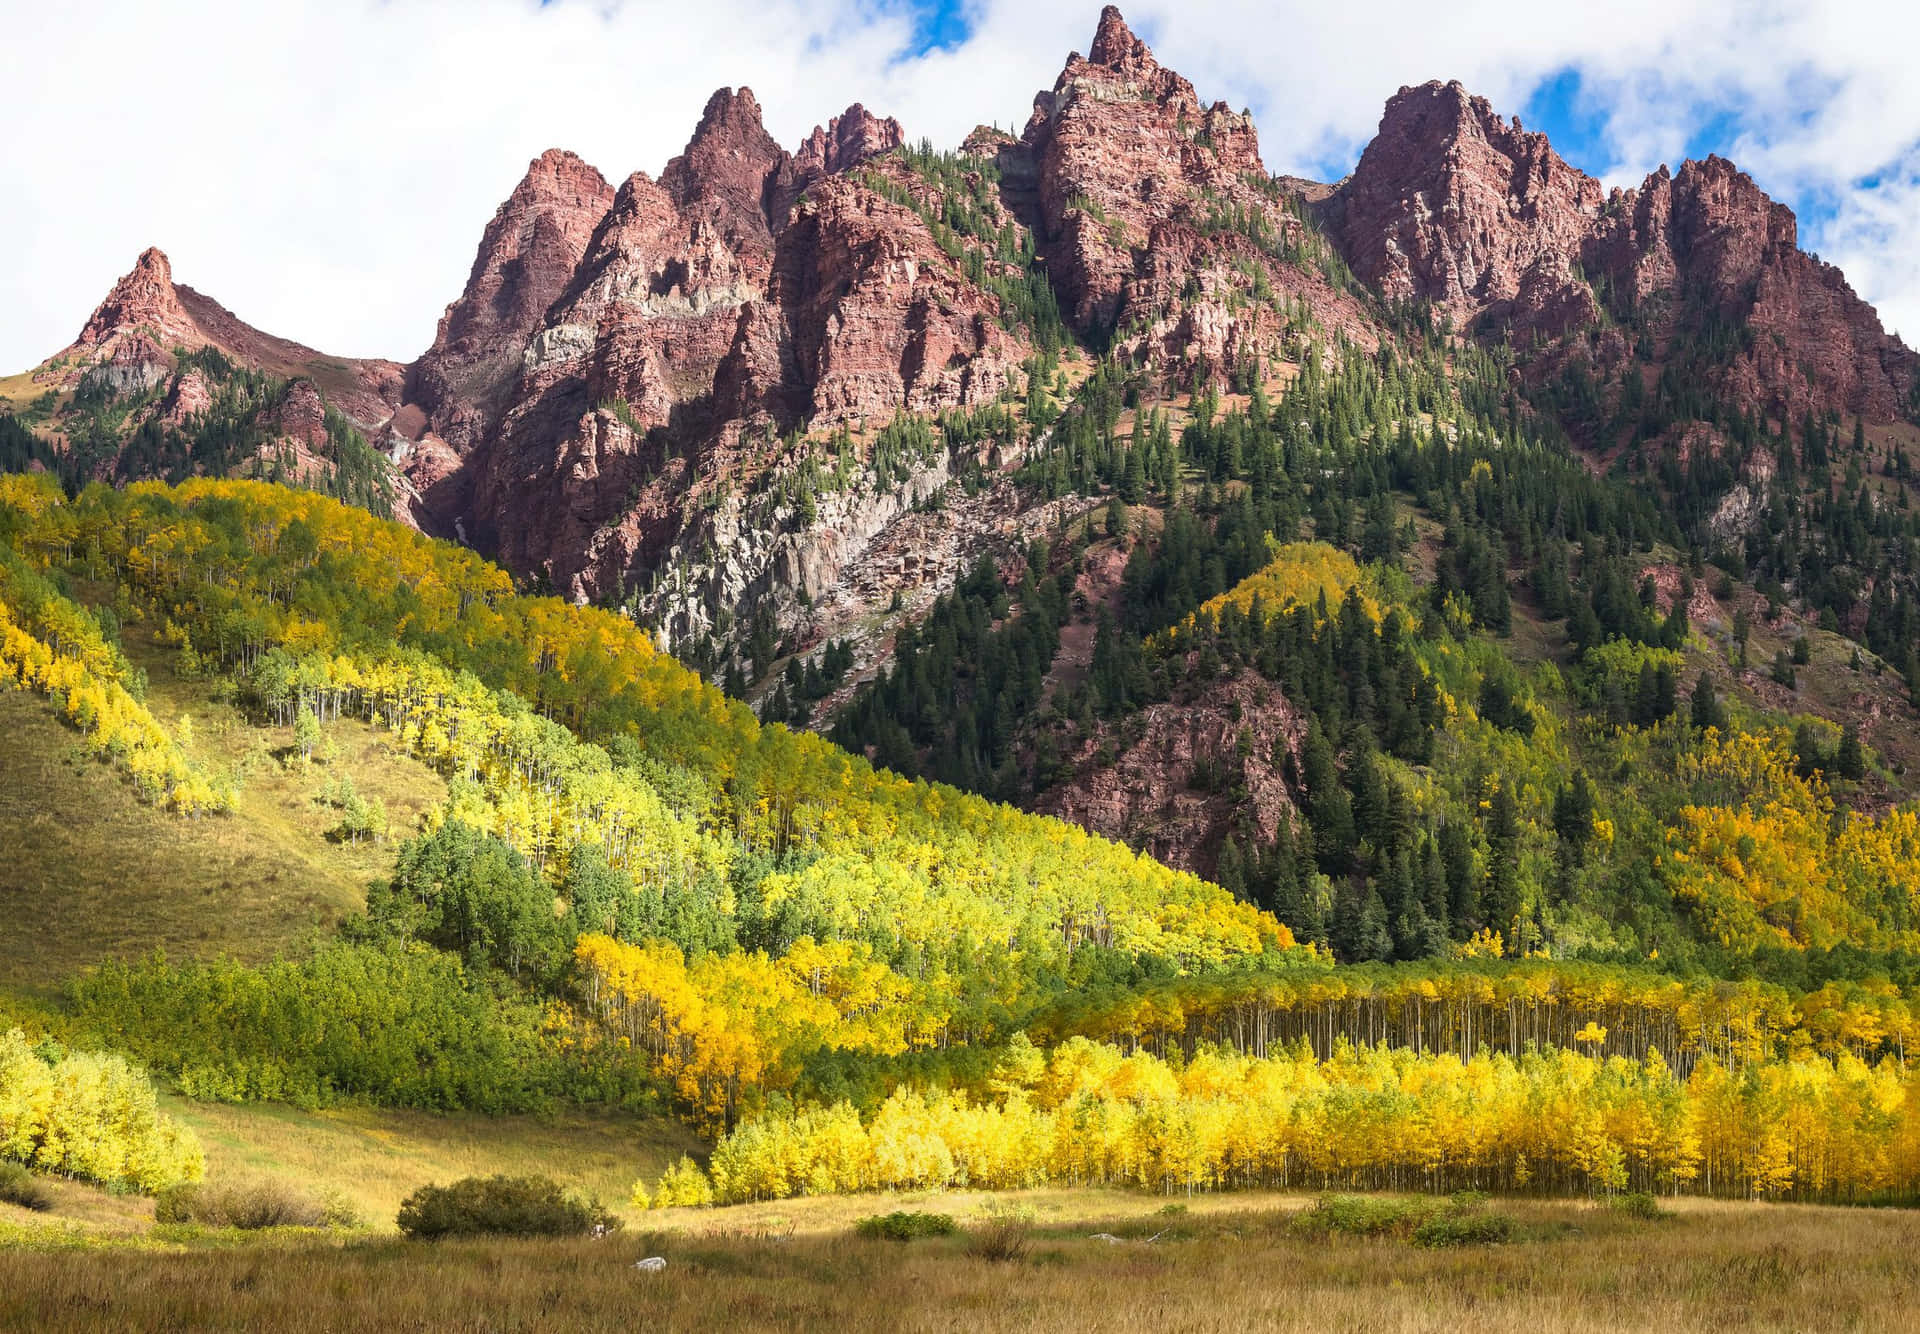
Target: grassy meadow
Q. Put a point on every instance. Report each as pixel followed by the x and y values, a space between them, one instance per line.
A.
pixel 1220 1263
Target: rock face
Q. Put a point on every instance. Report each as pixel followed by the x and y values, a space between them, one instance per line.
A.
pixel 847 140
pixel 143 305
pixel 1706 245
pixel 527 256
pixel 1119 144
pixel 1453 206
pixel 747 291
pixel 865 317
pixel 1166 791
pixel 1155 213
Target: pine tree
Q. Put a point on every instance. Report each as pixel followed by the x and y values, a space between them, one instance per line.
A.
pixel 1707 710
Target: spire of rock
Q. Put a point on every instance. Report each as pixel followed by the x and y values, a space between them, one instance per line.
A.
pixel 144 297
pixel 528 251
pixel 848 139
pixel 729 159
pixel 526 257
pixel 1114 44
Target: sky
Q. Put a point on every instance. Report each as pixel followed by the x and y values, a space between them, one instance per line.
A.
pixel 324 168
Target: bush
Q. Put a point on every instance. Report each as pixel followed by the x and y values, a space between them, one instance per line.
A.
pixel 249 1206
pixel 1002 1240
pixel 1363 1216
pixel 904 1225
pixel 1639 1204
pixel 501 1206
pixel 21 1187
pixel 1457 1227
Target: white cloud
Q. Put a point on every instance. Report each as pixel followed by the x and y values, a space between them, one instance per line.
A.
pixel 325 168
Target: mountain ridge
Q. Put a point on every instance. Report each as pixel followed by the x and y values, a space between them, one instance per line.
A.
pixel 776 403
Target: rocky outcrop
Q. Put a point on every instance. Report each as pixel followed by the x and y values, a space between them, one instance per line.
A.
pixel 1141 193
pixel 866 317
pixel 622 362
pixel 145 305
pixel 1164 789
pixel 845 142
pixel 1705 247
pixel 1452 205
pixel 1119 144
pixel 731 171
pixel 746 292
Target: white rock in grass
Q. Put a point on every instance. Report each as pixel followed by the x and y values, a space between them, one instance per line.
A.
pixel 653 1264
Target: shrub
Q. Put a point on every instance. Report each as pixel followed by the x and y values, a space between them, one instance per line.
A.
pixel 249 1206
pixel 1457 1227
pixel 1639 1204
pixel 1002 1240
pixel 501 1206
pixel 21 1187
pixel 1363 1216
pixel 906 1225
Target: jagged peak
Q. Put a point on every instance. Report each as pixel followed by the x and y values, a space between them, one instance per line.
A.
pixel 560 164
pixel 1114 44
pixel 847 139
pixel 1450 97
pixel 727 106
pixel 145 295
pixel 153 261
pixel 1434 116
pixel 729 155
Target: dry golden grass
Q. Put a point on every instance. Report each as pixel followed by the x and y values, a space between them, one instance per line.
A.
pixel 1229 1266
pixel 17 391
pixel 375 1158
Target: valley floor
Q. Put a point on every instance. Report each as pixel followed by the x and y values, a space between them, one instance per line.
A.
pixel 1215 1263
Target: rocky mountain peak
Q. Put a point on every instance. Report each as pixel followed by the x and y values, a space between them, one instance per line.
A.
pixel 144 299
pixel 1115 46
pixel 848 139
pixel 728 165
pixel 526 257
pixel 1453 205
pixel 1119 147
pixel 527 251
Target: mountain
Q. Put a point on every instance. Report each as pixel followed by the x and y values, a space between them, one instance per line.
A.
pixel 165 382
pixel 127 341
pixel 1074 632
pixel 804 412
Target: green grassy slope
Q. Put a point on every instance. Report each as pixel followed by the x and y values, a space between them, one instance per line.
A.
pixel 91 872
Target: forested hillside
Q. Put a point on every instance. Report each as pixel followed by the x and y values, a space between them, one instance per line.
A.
pixel 634 894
